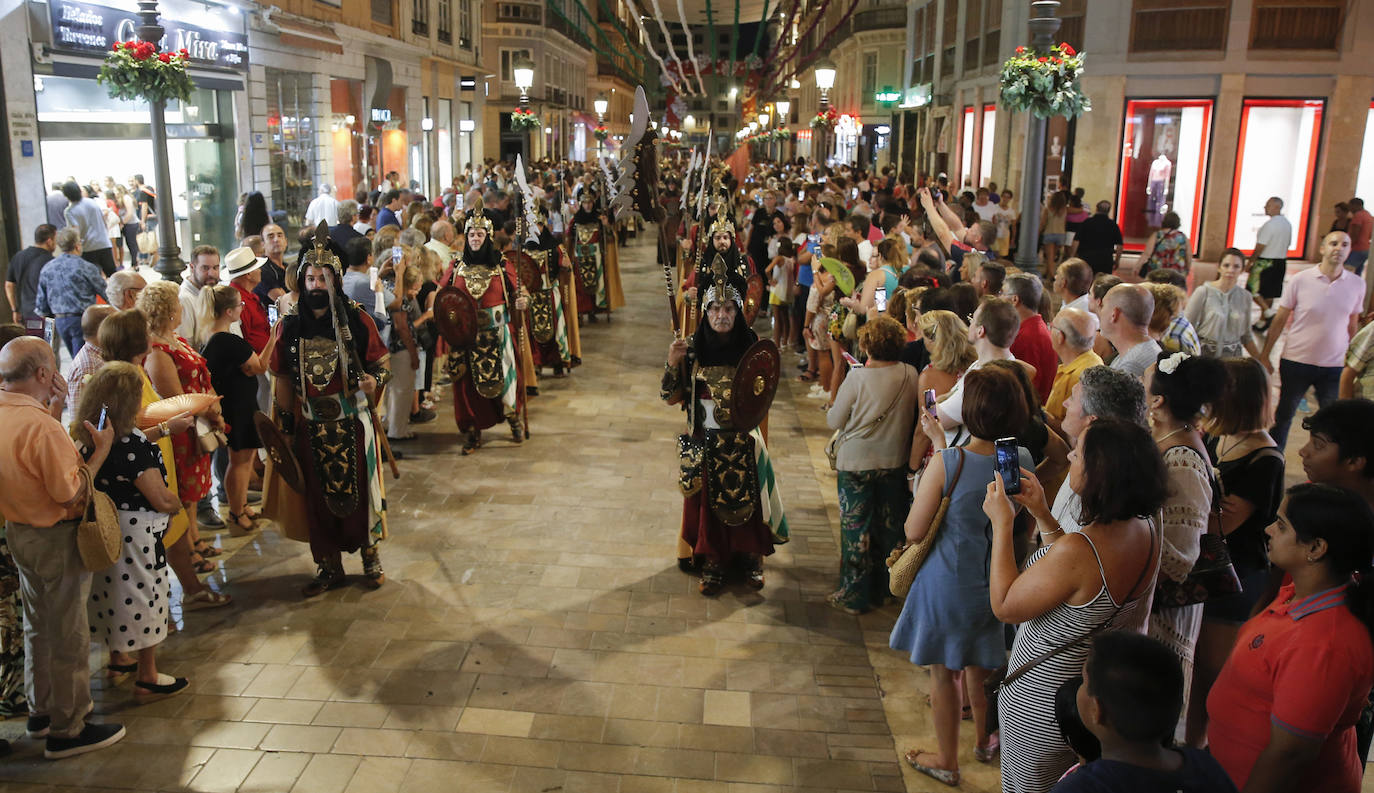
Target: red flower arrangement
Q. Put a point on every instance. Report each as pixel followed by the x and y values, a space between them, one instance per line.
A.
pixel 601 133
pixel 523 118
pixel 826 119
pixel 1045 85
pixel 137 70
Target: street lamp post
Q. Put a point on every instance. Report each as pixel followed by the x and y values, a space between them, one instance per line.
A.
pixel 1043 25
pixel 601 104
pixel 825 80
pixel 169 264
pixel 523 71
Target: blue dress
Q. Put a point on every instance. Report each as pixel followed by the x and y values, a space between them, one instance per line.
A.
pixel 947 618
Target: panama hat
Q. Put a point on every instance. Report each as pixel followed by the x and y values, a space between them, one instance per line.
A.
pixel 241 261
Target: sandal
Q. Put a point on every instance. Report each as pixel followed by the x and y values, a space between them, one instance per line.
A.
pixel 200 565
pixel 944 775
pixel 835 603
pixel 988 755
pixel 205 599
pixel 237 529
pixel 116 670
pixel 205 549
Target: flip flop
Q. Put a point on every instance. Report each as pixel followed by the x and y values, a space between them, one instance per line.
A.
pixel 942 775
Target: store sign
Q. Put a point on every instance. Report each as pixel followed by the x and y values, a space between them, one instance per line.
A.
pixel 88 28
pixel 381 115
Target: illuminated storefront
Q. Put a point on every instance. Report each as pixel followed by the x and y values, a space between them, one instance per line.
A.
pixel 1276 156
pixel 1164 150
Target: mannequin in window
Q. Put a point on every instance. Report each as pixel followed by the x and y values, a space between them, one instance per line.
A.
pixel 1156 189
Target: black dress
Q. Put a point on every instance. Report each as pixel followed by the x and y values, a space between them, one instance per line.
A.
pixel 225 354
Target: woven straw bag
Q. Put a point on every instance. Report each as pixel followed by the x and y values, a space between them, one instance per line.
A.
pixel 904 563
pixel 97 535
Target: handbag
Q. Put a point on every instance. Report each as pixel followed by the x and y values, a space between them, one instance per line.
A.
pixel 1213 573
pixel 97 533
pixel 209 439
pixel 832 446
pixel 1000 679
pixel 147 241
pixel 903 569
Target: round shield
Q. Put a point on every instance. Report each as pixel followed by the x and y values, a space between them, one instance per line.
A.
pixel 526 269
pixel 455 314
pixel 753 298
pixel 755 384
pixel 844 277
pixel 279 450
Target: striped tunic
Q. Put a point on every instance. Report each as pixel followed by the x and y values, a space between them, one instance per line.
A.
pixel 1034 756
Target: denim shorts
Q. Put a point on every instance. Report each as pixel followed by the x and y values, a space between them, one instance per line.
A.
pixel 1053 239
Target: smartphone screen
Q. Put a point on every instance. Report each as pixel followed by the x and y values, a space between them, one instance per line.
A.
pixel 852 361
pixel 930 400
pixel 104 411
pixel 49 329
pixel 880 298
pixel 1009 465
pixel 396 253
pixel 271 315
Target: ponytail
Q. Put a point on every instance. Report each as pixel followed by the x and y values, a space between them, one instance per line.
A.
pixel 211 303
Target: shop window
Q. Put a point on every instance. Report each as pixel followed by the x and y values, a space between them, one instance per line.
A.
pixel 966 149
pixel 1164 151
pixel 381 11
pixel 1169 25
pixel 1364 182
pixel 1296 24
pixel 1277 157
pixel 290 144
pixel 989 138
pixel 419 17
pixel 443 22
pixel 445 144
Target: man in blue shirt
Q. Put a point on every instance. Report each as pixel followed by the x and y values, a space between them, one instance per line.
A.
pixel 88 217
pixel 68 286
pixel 391 204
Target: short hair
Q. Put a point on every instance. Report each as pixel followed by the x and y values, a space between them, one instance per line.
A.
pixel 1123 473
pixel 389 196
pixel 1135 301
pixel 883 338
pixel 1345 521
pixel 1356 203
pixel 1071 727
pixel 987 231
pixel 964 297
pixel 10 331
pixel 1139 683
pixel 123 335
pixel 1349 423
pixel 994 404
pixel 1195 384
pixel 71 191
pixel 1168 300
pixel 411 238
pixel 1280 200
pixel 117 388
pixel 1244 407
pixel 68 239
pixel 938 298
pixel 999 320
pixel 20 358
pixel 254 243
pixel 117 284
pixel 1102 284
pixel 357 250
pixel 994 275
pixel 1169 276
pixel 348 211
pixel 1109 393
pixel 92 318
pixel 1026 288
pixel 365 212
pixel 203 250
pixel 43 233
pixel 160 303
pixel 1078 276
pixel 1103 207
pixel 1073 337
pixel 859 224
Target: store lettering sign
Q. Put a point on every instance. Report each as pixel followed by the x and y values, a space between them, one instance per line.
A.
pixel 87 28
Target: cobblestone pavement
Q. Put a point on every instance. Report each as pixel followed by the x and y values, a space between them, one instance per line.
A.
pixel 534 633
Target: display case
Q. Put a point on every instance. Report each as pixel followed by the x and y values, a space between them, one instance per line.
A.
pixel 985 148
pixel 1164 148
pixel 1276 156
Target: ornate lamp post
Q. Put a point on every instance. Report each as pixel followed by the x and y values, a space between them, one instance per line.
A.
pixel 523 71
pixel 601 104
pixel 1043 25
pixel 825 80
pixel 169 263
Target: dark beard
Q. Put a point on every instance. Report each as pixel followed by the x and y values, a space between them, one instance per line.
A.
pixel 317 299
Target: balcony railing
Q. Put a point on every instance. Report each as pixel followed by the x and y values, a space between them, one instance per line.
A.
pixel 886 18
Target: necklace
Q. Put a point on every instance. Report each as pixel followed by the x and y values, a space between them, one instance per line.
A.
pixel 1240 441
pixel 1184 428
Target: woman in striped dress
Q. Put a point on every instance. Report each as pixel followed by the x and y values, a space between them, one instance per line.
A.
pixel 1076 585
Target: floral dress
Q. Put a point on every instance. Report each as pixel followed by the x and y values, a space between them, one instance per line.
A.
pixel 192 465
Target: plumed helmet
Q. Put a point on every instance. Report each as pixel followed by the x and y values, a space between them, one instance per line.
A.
pixel 477 219
pixel 320 251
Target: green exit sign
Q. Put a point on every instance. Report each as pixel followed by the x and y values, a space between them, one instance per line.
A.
pixel 887 94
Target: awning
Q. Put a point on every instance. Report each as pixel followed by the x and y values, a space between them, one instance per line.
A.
pixel 303 34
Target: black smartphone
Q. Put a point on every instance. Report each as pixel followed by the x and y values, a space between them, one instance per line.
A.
pixel 103 412
pixel 930 400
pixel 1009 465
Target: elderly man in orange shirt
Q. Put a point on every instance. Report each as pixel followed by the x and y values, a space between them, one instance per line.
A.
pixel 42 492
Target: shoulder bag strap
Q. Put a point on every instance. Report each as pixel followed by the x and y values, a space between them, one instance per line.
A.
pixel 1096 629
pixel 866 429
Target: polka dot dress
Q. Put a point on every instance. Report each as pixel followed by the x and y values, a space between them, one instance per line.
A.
pixel 128 605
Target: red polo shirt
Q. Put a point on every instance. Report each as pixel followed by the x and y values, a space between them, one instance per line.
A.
pixel 1305 666
pixel 253 320
pixel 1033 346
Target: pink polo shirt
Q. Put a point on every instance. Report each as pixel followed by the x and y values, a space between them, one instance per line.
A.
pixel 1319 331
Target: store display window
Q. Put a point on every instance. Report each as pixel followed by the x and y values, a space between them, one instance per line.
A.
pixel 1277 156
pixel 1364 181
pixel 966 149
pixel 1164 149
pixel 985 149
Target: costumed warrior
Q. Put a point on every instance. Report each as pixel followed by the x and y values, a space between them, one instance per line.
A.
pixel 595 257
pixel 732 510
pixel 329 362
pixel 548 327
pixel 487 384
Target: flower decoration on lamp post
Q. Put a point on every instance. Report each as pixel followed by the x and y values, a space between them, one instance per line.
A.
pixel 1045 84
pixel 137 70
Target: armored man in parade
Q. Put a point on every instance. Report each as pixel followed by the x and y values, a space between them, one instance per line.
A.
pixel 595 257
pixel 725 378
pixel 329 365
pixel 547 325
pixel 480 291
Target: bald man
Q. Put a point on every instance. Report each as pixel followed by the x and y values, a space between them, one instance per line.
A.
pixel 441 239
pixel 42 492
pixel 1125 316
pixel 1072 333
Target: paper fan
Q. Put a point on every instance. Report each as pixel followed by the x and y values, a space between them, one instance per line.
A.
pixel 168 408
pixel 844 277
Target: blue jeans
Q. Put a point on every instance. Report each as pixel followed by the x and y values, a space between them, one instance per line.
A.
pixel 1294 380
pixel 69 329
pixel 1357 260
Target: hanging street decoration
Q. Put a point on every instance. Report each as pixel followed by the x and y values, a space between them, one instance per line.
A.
pixel 826 119
pixel 522 119
pixel 136 70
pixel 1046 85
pixel 601 133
